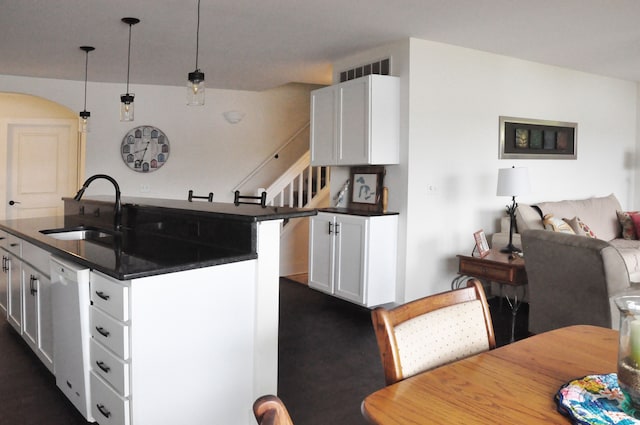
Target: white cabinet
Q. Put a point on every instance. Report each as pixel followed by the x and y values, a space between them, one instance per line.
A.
pixel 14 271
pixel 37 322
pixel 4 274
pixel 356 122
pixel 164 341
pixel 354 257
pixel 25 294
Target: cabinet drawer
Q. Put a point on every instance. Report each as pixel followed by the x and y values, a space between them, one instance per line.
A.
pixel 111 368
pixel 107 407
pixel 14 245
pixel 109 332
pixel 37 257
pixel 484 271
pixel 110 296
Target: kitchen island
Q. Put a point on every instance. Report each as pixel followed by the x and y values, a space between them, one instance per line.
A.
pixel 199 306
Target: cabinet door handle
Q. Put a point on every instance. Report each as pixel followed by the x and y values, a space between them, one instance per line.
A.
pixel 337 228
pixel 103 410
pixel 103 295
pixel 5 264
pixel 102 331
pixel 32 285
pixel 103 366
pixel 14 244
pixel 330 227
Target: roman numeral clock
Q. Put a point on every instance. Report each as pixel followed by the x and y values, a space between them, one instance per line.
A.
pixel 145 149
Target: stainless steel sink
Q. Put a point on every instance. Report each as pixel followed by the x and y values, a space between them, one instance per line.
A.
pixel 75 233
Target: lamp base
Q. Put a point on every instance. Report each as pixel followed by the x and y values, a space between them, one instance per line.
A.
pixel 510 249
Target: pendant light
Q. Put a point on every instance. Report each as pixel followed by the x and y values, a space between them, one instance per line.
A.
pixel 126 100
pixel 84 114
pixel 195 83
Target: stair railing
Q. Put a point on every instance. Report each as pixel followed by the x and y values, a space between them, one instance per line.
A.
pixel 300 185
pixel 270 158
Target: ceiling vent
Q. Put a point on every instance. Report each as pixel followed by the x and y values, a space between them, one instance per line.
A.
pixel 381 67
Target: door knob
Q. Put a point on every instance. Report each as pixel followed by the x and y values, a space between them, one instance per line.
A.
pixel 12 202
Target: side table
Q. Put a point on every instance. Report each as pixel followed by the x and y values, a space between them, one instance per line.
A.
pixel 496 267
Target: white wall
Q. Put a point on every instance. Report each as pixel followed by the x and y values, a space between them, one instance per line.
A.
pixel 452 98
pixel 207 153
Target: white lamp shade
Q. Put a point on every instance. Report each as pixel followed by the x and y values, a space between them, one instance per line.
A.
pixel 513 181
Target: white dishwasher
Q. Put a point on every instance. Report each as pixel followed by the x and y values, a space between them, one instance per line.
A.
pixel 71 336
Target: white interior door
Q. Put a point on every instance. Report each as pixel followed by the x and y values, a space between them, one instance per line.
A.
pixel 41 167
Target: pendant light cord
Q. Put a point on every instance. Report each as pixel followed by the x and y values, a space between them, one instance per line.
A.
pixel 129 59
pixel 198 35
pixel 86 71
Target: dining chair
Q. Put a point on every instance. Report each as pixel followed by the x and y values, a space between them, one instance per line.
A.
pixel 270 410
pixel 433 331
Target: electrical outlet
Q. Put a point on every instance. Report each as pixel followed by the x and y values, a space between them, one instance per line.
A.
pixel 144 188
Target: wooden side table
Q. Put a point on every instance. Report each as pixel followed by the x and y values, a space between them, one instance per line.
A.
pixel 496 267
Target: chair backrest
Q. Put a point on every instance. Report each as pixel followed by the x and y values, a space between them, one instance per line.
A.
pixel 432 331
pixel 270 410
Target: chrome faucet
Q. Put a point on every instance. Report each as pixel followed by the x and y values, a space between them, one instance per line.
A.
pixel 117 209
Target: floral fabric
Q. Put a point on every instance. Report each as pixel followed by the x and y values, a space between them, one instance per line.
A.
pixel 595 400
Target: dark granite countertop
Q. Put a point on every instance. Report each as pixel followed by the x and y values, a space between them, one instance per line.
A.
pixel 127 256
pixel 243 212
pixel 134 253
pixel 353 211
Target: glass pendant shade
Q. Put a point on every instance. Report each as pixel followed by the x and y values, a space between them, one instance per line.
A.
pixel 126 107
pixel 195 88
pixel 85 122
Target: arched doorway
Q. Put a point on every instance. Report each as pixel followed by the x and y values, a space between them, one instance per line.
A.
pixel 43 155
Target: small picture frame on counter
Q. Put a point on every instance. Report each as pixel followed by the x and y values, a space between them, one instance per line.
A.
pixel 366 188
pixel 482 246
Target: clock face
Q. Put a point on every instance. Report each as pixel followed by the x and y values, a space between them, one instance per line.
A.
pixel 145 149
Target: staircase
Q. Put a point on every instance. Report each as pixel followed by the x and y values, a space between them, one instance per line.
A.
pixel 301 186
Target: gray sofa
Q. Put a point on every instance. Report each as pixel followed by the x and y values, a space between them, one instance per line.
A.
pixel 573 278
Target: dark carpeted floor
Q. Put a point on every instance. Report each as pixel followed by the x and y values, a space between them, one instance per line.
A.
pixel 328 363
pixel 329 360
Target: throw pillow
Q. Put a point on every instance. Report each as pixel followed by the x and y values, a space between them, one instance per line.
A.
pixel 557 225
pixel 580 228
pixel 628 228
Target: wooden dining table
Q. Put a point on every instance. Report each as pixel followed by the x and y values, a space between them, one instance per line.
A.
pixel 513 384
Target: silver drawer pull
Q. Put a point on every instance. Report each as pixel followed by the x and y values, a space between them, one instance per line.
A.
pixel 103 410
pixel 103 295
pixel 103 366
pixel 102 331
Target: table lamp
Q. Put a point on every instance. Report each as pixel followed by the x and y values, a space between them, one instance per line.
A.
pixel 512 182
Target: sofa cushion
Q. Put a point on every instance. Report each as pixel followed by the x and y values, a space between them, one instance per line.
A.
pixel 600 213
pixel 557 225
pixel 579 227
pixel 627 223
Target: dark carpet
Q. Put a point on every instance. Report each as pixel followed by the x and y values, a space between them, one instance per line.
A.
pixel 329 360
pixel 328 363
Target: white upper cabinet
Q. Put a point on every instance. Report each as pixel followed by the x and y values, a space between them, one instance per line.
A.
pixel 356 122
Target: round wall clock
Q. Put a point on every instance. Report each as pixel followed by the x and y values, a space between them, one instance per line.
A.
pixel 145 149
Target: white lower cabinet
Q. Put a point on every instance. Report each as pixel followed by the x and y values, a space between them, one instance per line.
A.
pixel 354 257
pixel 163 347
pixel 25 289
pixel 37 322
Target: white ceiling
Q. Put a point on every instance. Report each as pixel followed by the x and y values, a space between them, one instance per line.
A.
pixel 260 44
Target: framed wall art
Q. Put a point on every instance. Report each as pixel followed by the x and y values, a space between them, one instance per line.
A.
pixel 366 187
pixel 523 138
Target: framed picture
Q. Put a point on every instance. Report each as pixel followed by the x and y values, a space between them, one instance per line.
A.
pixel 366 187
pixel 523 138
pixel 482 246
